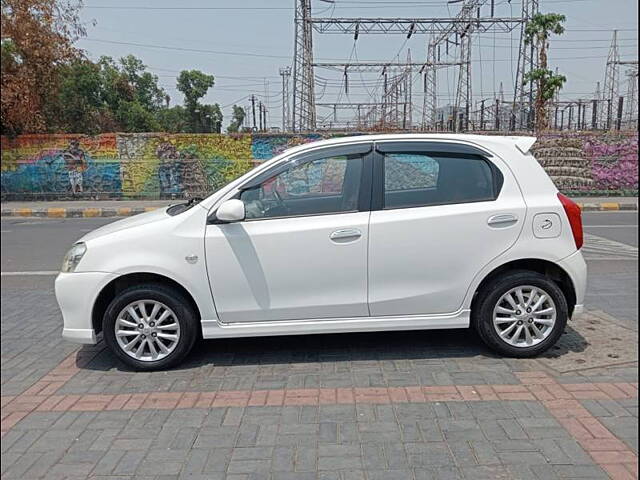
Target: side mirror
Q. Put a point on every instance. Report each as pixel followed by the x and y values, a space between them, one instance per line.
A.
pixel 231 211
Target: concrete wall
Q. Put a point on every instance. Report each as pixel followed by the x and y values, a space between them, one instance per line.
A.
pixel 159 165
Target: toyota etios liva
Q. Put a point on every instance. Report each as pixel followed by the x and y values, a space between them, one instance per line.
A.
pixel 368 233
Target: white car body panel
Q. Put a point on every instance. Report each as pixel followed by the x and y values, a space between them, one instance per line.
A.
pixel 287 277
pixel 255 266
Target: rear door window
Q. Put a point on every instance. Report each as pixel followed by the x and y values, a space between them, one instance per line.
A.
pixel 421 179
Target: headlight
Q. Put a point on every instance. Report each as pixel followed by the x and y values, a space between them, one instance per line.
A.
pixel 73 257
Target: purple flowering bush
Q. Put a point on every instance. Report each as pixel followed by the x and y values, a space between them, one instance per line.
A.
pixel 614 162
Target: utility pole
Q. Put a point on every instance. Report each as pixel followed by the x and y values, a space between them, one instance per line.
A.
pixel 264 121
pixel 632 98
pixel 253 111
pixel 285 73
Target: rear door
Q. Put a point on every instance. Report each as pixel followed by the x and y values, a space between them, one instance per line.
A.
pixel 441 212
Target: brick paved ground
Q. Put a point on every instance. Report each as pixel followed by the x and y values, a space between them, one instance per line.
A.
pixel 414 405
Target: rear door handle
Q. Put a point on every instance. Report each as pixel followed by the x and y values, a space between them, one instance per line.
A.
pixel 346 234
pixel 502 220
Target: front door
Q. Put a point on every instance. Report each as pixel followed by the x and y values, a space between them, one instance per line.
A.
pixel 301 253
pixel 442 212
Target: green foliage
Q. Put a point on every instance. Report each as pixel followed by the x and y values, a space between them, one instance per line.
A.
pixel 146 90
pixel 173 119
pixel 548 82
pixel 134 117
pixel 79 98
pixel 237 120
pixel 211 118
pixel 202 118
pixel 537 31
pixel 542 25
pixel 103 96
pixel 194 85
pixel 106 96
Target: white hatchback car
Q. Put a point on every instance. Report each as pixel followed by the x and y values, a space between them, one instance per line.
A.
pixel 366 233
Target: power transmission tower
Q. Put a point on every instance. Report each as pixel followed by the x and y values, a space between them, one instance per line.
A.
pixel 407 117
pixel 430 103
pixel 524 93
pixel 458 32
pixel 285 73
pixel 463 90
pixel 304 109
pixel 611 83
pixel 461 26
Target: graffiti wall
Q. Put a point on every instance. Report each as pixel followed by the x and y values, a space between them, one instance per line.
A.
pixel 158 165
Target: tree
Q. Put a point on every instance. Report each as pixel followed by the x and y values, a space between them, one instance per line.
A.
pixel 79 99
pixel 194 85
pixel 538 30
pixel 211 118
pixel 173 119
pixel 37 36
pixel 237 119
pixel 145 84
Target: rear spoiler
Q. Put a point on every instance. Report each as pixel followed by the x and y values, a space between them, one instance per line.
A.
pixel 524 144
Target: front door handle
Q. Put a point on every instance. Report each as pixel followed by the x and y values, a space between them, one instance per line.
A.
pixel 346 234
pixel 502 220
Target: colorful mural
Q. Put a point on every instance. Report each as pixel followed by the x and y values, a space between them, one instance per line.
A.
pixel 160 165
pixel 44 166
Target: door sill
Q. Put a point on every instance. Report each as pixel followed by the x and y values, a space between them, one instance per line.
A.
pixel 216 329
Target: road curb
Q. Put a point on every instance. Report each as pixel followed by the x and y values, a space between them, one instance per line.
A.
pixel 89 212
pixel 607 207
pixel 94 212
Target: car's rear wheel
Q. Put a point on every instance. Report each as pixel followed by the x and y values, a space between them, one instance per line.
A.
pixel 520 314
pixel 150 327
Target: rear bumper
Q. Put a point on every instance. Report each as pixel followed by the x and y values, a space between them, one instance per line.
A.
pixel 576 267
pixel 76 294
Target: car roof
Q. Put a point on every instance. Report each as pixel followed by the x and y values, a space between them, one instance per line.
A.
pixel 522 143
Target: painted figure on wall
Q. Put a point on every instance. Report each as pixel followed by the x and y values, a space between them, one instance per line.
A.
pixel 75 162
pixel 179 172
pixel 168 170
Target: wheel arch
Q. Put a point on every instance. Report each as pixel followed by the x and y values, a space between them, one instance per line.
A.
pixel 545 267
pixel 117 285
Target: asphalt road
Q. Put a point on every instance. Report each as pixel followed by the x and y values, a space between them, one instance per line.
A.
pixel 38 245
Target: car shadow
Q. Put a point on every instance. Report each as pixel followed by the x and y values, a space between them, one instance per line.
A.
pixel 339 347
pixel 334 348
pixel 570 341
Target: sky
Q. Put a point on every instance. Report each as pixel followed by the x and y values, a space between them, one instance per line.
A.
pixel 244 43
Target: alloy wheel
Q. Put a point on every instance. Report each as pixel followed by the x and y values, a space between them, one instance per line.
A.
pixel 524 316
pixel 147 330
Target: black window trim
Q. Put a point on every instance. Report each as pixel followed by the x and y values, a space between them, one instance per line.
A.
pixel 365 149
pixel 434 149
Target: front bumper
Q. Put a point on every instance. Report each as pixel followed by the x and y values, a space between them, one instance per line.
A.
pixel 76 294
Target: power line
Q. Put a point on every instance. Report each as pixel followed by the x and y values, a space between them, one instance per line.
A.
pixel 183 49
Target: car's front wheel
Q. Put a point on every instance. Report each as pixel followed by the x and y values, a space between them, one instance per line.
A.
pixel 150 327
pixel 520 314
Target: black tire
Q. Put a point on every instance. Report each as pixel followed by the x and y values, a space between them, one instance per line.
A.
pixel 185 316
pixel 482 313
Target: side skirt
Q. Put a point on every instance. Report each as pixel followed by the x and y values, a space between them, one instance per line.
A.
pixel 216 329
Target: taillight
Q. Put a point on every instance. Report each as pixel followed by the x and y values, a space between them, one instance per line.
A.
pixel 574 214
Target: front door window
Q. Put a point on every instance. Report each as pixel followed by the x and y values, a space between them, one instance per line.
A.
pixel 316 187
